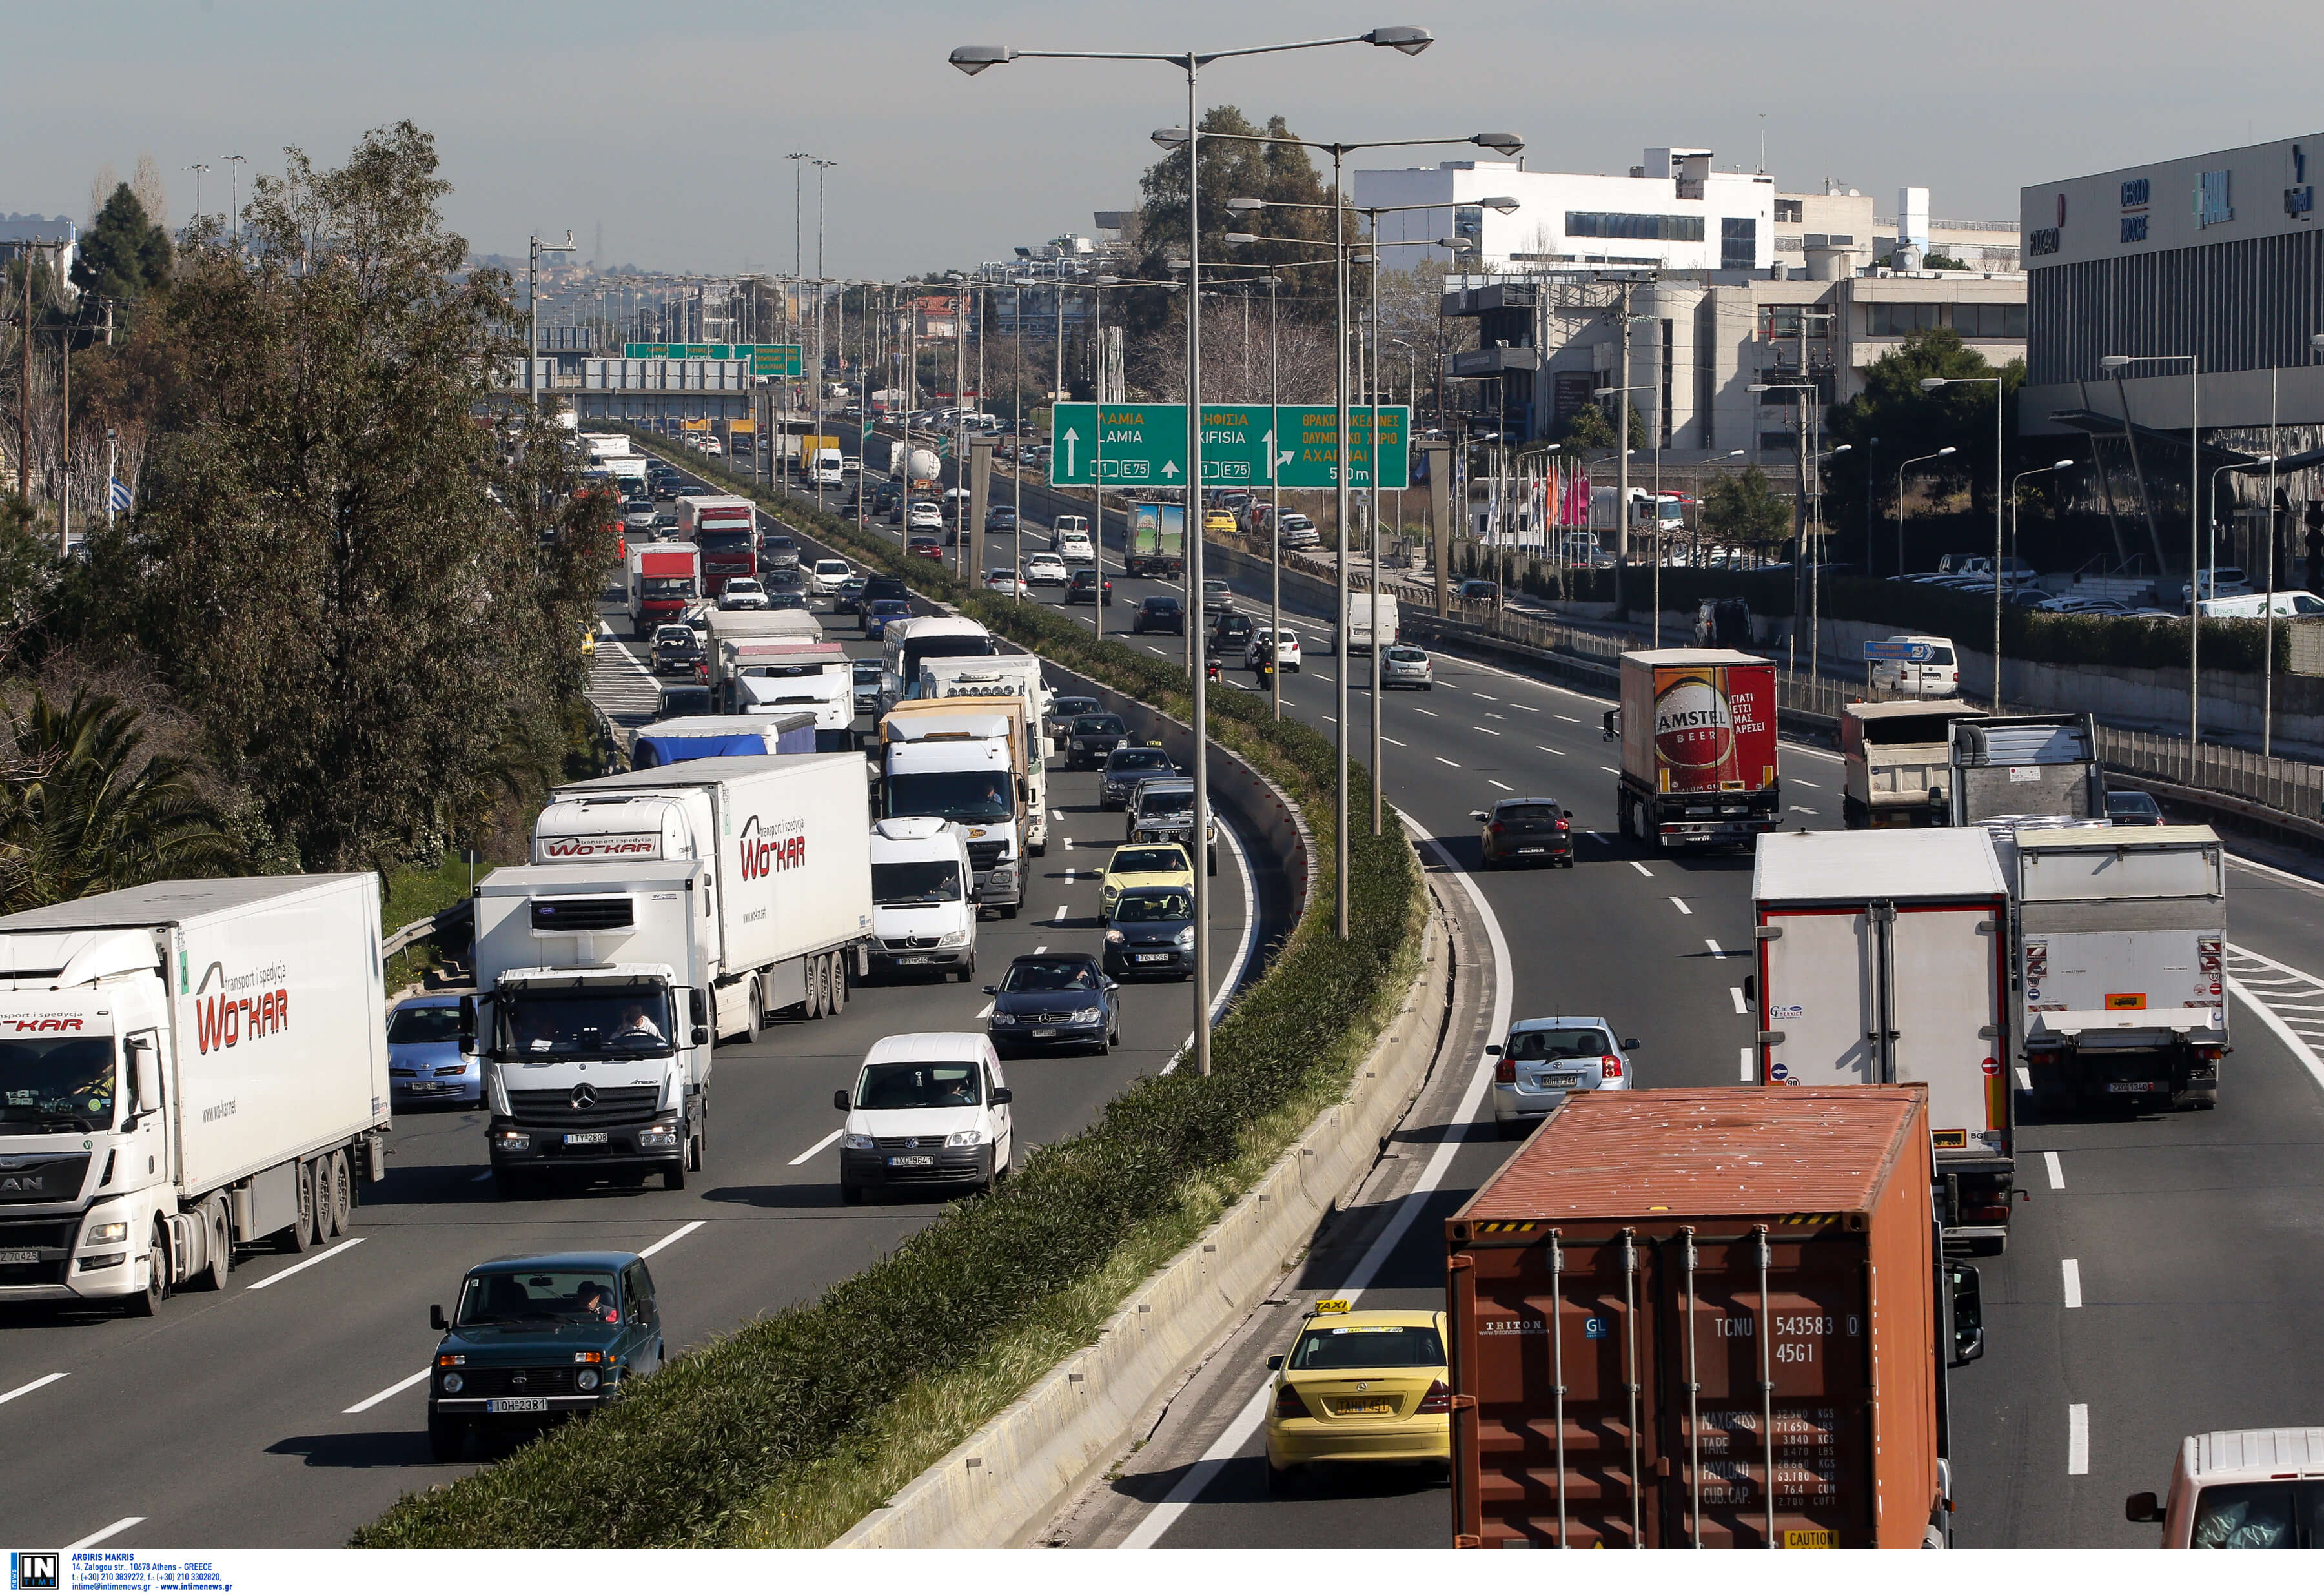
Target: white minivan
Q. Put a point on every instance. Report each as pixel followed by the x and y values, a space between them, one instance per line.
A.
pixel 929 1112
pixel 1372 619
pixel 1077 524
pixel 1931 670
pixel 923 898
pixel 2240 1489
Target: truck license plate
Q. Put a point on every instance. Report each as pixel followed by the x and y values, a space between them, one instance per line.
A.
pixel 518 1403
pixel 20 1254
pixel 913 958
pixel 2135 1087
pixel 586 1138
pixel 922 1161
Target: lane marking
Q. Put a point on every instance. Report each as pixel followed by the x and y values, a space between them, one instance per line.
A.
pixel 1679 904
pixel 1430 713
pixel 1059 917
pixel 986 1012
pixel 1640 868
pixel 1528 708
pixel 818 1146
pixel 1487 697
pixel 46 1379
pixel 1597 838
pixel 2078 1438
pixel 1797 809
pixel 1390 740
pixel 481 1178
pixel 1249 945
pixel 2073 1271
pixel 1041 949
pixel 107 1533
pixel 1069 844
pixel 397 1388
pixel 1539 749
pixel 1610 769
pixel 1750 1070
pixel 2057 1171
pixel 1737 992
pixel 1716 951
pixel 1494 783
pixel 1057 814
pixel 674 1236
pixel 1569 719
pixel 1487 729
pixel 1811 786
pixel 1441 760
pixel 321 1256
pixel 1490 715
pixel 2024 1080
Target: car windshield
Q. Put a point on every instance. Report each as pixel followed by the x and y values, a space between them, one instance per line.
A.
pixel 919 1085
pixel 1066 709
pixel 681 635
pixel 1408 656
pixel 1150 908
pixel 866 671
pixel 951 795
pixel 1123 759
pixel 1099 725
pixel 915 881
pixel 67 1084
pixel 1368 1345
pixel 2275 1515
pixel 586 1021
pixel 550 1295
pixel 419 1026
pixel 1050 974
pixel 890 607
pixel 1535 1046
pixel 1154 802
pixel 1527 812
pixel 684 700
pixel 1147 861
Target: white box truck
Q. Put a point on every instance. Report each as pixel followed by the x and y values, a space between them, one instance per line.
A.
pixel 998 676
pixel 186 1067
pixel 965 759
pixel 662 908
pixel 1371 621
pixel 1883 960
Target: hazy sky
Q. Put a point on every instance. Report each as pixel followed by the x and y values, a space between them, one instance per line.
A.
pixel 668 125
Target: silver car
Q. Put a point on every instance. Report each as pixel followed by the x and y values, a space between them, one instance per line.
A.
pixel 1545 1060
pixel 1406 665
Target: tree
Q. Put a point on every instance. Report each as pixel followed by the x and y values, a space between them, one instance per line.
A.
pixel 1233 168
pixel 125 254
pixel 1910 423
pixel 1592 427
pixel 1745 511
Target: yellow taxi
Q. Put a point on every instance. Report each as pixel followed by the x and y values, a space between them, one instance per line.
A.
pixel 1218 524
pixel 1359 1388
pixel 589 642
pixel 1144 863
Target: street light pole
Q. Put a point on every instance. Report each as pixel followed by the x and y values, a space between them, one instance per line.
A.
pixel 533 319
pixel 2115 364
pixel 1929 385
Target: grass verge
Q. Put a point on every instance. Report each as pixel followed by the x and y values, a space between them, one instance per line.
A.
pixel 786 1430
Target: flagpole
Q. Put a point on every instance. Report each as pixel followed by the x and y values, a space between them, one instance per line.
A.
pixel 112 474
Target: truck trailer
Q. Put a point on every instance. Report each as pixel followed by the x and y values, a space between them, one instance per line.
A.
pixel 1707 1318
pixel 1896 762
pixel 1698 733
pixel 663 581
pixel 189 1068
pixel 718 736
pixel 1156 545
pixel 727 529
pixel 2007 765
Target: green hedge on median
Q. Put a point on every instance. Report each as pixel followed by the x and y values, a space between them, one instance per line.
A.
pixel 735 1443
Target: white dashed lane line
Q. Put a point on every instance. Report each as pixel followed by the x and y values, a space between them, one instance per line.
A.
pixel 1641 869
pixel 1495 783
pixel 1737 992
pixel 46 1379
pixel 2072 1272
pixel 1679 904
pixel 2057 1171
pixel 1441 760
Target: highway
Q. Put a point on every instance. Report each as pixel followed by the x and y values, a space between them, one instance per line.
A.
pixel 288 1409
pixel 2159 1263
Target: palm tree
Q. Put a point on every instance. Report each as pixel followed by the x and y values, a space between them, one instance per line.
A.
pixel 83 811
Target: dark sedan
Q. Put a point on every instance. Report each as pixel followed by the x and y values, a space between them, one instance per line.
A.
pixel 1160 612
pixel 1125 766
pixel 1088 587
pixel 1151 931
pixel 1091 738
pixel 1055 1000
pixel 1058 723
pixel 848 597
pixel 1525 830
pixel 676 650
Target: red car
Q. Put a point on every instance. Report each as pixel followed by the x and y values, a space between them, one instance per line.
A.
pixel 927 546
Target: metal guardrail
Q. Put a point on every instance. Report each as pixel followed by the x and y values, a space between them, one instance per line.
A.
pixel 460 914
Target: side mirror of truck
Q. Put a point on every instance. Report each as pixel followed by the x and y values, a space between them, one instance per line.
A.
pixel 699 1035
pixel 1967 1313
pixel 839 1101
pixel 697 1010
pixel 435 1317
pixel 467 1024
pixel 2143 1508
pixel 144 1088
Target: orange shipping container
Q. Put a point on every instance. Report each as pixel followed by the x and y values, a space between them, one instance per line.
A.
pixel 1703 1317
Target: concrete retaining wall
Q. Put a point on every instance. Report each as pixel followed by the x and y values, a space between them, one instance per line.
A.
pixel 1013 1475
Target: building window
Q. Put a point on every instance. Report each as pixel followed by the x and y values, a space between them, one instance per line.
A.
pixel 1791 210
pixel 1989 320
pixel 1621 223
pixel 1738 242
pixel 1894 320
pixel 1778 322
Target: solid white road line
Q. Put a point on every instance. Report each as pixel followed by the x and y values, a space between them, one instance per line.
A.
pixel 1642 870
pixel 1750 1066
pixel 2024 1080
pixel 1737 992
pixel 818 1146
pixel 107 1533
pixel 46 1379
pixel 1679 904
pixel 674 1236
pixel 1250 944
pixel 2057 1171
pixel 986 1012
pixel 2073 1271
pixel 1715 950
pixel 321 1256
pixel 2078 1438
pixel 397 1388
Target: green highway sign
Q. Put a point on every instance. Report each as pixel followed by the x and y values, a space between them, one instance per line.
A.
pixel 777 359
pixel 766 359
pixel 1141 446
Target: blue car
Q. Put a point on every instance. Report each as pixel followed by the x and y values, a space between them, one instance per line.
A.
pixel 424 1060
pixel 880 611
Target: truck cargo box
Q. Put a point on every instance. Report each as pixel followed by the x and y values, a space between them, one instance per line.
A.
pixel 1698 731
pixel 1661 1282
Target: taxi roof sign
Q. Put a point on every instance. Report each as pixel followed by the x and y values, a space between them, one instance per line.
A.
pixel 1335 1304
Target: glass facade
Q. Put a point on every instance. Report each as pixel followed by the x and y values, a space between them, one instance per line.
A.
pixel 2242 305
pixel 1623 224
pixel 1738 242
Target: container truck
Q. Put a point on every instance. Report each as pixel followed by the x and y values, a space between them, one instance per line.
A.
pixel 727 529
pixel 1000 675
pixel 1883 960
pixel 1898 763
pixel 716 736
pixel 2032 764
pixel 189 1066
pixel 1706 1318
pixel 906 645
pixel 663 909
pixel 2121 936
pixel 1157 545
pixel 965 759
pixel 1698 732
pixel 664 580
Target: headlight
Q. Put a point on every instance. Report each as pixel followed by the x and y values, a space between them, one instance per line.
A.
pixel 100 1234
pixel 587 1379
pixel 1085 1016
pixel 453 1383
pixel 513 1140
pixel 658 1136
pixel 1001 1019
pixel 965 1137
pixel 1113 935
pixel 1187 936
pixel 1004 875
pixel 953 938
pixel 856 1143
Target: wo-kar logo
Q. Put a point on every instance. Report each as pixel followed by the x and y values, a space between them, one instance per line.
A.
pixel 34 1570
pixel 229 1010
pixel 764 851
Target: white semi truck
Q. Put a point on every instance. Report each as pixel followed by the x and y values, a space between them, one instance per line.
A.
pixel 965 759
pixel 663 909
pixel 185 1068
pixel 1000 676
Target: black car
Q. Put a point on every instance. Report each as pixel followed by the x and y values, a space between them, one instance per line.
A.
pixel 1527 830
pixel 1086 588
pixel 1092 738
pixel 1127 766
pixel 675 701
pixel 1478 592
pixel 1058 722
pixel 1051 999
pixel 2130 806
pixel 1160 612
pixel 1151 931
pixel 849 594
pixel 888 498
pixel 1230 635
pixel 882 586
pixel 676 650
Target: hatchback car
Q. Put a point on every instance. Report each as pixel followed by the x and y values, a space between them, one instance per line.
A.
pixel 867 686
pixel 1545 1061
pixel 1525 830
pixel 1162 611
pixel 742 591
pixel 1151 931
pixel 1058 722
pixel 1230 634
pixel 879 611
pixel 1163 864
pixel 1296 531
pixel 1055 1000
pixel 924 516
pixel 1000 518
pixel 929 1110
pixel 424 1060
pixel 676 650
pixel 1047 570
pixel 1474 592
pixel 674 700
pixel 1006 582
pixel 533 1339
pixel 847 598
pixel 1285 649
pixel 1088 587
pixel 1162 809
pixel 1406 665
pixel 1074 547
pixel 1125 766
pixel 1217 595
pixel 829 576
pixel 1091 738
pixel 1370 1387
pixel 779 552
pixel 2130 806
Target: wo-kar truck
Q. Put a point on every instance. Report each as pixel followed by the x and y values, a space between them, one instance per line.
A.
pixel 966 760
pixel 186 1067
pixel 1883 960
pixel 1698 733
pixel 663 909
pixel 2121 938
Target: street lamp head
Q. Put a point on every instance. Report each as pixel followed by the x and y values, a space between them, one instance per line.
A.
pixel 1929 385
pixel 1500 143
pixel 1105 282
pixel 973 59
pixel 1240 205
pixel 1410 41
pixel 1241 239
pixel 1024 282
pixel 1171 138
pixel 2113 362
pixel 1179 263
pixel 1362 257
pixel 1736 454
pixel 1947 449
pixel 2316 340
pixel 1503 203
pixel 2065 465
pixel 1761 387
pixel 1456 244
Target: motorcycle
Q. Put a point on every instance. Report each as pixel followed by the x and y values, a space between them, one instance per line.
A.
pixel 1266 671
pixel 1213 672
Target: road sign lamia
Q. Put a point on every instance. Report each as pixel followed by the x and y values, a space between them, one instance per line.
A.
pixel 766 359
pixel 1144 446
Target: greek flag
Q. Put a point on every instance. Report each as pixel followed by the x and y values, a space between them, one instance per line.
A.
pixel 118 497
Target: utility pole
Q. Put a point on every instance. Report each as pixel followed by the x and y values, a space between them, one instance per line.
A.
pixel 234 163
pixel 112 472
pixel 1621 449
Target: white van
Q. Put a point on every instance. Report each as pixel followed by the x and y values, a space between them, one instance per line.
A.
pixel 923 898
pixel 1933 671
pixel 1372 619
pixel 1077 524
pixel 2239 1489
pixel 2251 606
pixel 929 1110
pixel 827 468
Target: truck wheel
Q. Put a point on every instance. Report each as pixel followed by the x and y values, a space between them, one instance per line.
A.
pixel 148 1302
pixel 299 1235
pixel 342 1207
pixel 673 1176
pixel 318 1180
pixel 835 1003
pixel 756 1008
pixel 447 1438
pixel 811 1005
pixel 1008 910
pixel 211 1216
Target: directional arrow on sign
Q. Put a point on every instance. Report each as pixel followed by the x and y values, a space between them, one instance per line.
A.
pixel 1169 467
pixel 1071 438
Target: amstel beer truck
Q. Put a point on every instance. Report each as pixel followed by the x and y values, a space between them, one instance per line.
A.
pixel 1698 732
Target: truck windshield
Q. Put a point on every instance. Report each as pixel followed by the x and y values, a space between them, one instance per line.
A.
pixel 666 586
pixel 951 795
pixel 552 1295
pixel 1369 1345
pixel 915 881
pixel 57 1085
pixel 723 540
pixel 589 1021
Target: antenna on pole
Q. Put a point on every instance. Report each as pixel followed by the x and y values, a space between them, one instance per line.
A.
pixel 1763 144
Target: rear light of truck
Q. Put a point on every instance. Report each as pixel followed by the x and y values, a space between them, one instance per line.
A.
pixel 1288 1405
pixel 1438 1399
pixel 1995 1213
pixel 1504 1071
pixel 1610 1067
